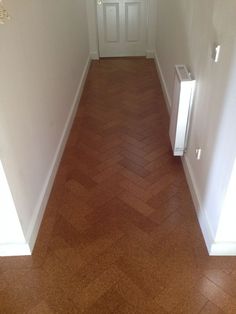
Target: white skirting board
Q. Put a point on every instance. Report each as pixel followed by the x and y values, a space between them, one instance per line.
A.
pixel 202 218
pixel 42 203
pixel 150 54
pixel 200 214
pixel 223 249
pixel 20 249
pixel 214 248
pixel 15 249
pixel 163 83
pixel 94 55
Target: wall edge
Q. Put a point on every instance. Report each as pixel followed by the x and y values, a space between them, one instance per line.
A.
pixel 46 190
pixel 163 82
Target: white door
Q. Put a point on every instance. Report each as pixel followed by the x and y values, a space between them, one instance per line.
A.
pixel 122 27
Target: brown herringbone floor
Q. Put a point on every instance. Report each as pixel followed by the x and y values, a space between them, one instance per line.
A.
pixel 119 234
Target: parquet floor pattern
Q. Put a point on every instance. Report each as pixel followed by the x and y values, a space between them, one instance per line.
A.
pixel 120 233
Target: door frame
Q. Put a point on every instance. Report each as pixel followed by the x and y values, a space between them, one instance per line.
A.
pixel 93 28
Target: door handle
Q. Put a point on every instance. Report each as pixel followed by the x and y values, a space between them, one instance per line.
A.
pixel 99 2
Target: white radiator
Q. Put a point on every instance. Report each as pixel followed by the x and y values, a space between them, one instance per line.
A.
pixel 180 110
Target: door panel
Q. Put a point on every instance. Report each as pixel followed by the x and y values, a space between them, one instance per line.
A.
pixel 111 22
pixel 122 27
pixel 132 22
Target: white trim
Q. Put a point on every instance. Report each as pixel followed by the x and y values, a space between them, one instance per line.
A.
pixel 92 28
pixel 94 55
pixel 43 199
pixel 223 249
pixel 15 249
pixel 163 83
pixel 201 214
pixel 151 28
pixel 214 248
pixel 150 54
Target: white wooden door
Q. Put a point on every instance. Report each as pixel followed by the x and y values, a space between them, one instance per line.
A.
pixel 122 27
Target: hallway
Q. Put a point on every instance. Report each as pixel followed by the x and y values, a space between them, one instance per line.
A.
pixel 120 233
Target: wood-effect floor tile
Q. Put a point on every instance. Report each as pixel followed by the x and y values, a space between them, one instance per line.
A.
pixel 120 234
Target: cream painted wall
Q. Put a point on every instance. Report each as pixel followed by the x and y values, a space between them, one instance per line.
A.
pixel 186 33
pixel 44 55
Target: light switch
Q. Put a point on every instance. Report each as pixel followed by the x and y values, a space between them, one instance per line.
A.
pixel 216 53
pixel 198 153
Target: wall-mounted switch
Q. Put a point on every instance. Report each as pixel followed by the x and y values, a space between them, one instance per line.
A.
pixel 198 153
pixel 216 52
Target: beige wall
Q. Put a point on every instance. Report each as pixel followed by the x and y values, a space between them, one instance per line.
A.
pixel 186 33
pixel 43 55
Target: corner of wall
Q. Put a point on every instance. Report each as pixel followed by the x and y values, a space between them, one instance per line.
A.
pixel 15 249
pixel 43 199
pixel 201 214
pixel 92 29
pixel 163 82
pixel 223 249
pixel 26 248
pixel 150 54
pixel 212 247
pixel 94 55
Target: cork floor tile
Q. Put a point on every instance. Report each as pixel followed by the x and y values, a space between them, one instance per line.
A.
pixel 119 234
